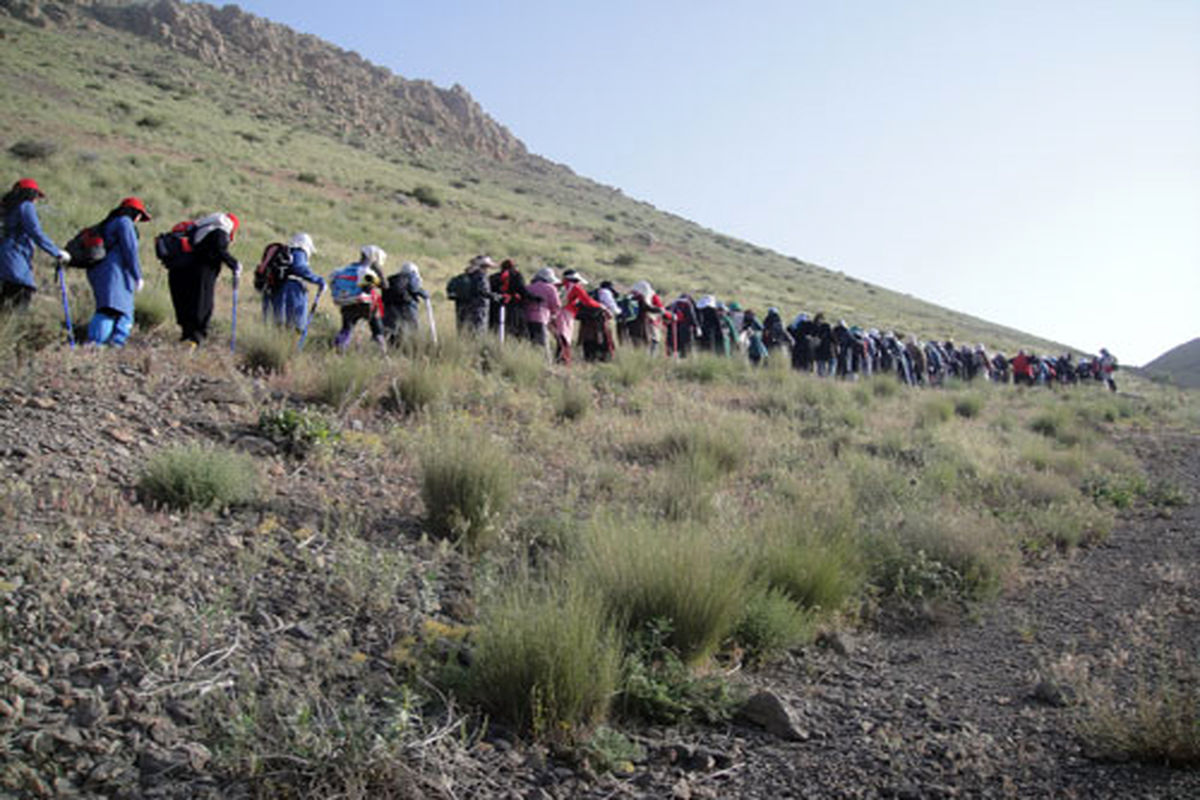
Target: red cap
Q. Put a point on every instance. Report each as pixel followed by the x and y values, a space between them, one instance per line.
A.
pixel 236 224
pixel 137 205
pixel 29 183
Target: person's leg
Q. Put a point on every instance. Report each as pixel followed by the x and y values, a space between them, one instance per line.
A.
pixel 100 329
pixel 122 328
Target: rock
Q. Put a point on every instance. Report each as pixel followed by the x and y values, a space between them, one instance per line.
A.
pixel 257 446
pixel 768 711
pixel 682 790
pixel 122 435
pixel 839 642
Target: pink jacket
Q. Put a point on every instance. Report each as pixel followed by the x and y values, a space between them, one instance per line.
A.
pixel 546 310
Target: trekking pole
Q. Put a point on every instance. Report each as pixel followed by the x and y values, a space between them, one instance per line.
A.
pixel 62 284
pixel 233 323
pixel 502 310
pixel 308 320
pixel 432 324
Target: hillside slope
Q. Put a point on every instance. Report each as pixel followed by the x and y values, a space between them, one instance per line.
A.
pixel 195 107
pixel 1180 364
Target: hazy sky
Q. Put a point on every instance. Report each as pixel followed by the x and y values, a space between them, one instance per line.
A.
pixel 1033 163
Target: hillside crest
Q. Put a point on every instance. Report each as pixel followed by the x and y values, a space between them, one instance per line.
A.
pixel 360 98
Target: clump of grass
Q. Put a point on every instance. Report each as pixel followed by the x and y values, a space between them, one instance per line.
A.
pixel 427 196
pixel 467 484
pixel 934 411
pixel 546 661
pixel 345 380
pixel 650 571
pixel 572 400
pixel 719 444
pixel 772 623
pixel 968 406
pixel 266 351
pixel 706 368
pixel 420 387
pixel 817 572
pixel 629 367
pixel 151 308
pixel 198 477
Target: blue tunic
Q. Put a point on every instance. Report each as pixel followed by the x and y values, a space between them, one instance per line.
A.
pixel 21 233
pixel 114 280
pixel 288 305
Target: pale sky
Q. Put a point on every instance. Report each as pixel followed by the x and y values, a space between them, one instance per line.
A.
pixel 1036 164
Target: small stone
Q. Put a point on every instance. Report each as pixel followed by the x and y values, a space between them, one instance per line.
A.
pixel 1052 694
pixel 768 711
pixel 121 435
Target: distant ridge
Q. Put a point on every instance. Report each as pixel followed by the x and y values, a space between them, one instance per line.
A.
pixel 340 88
pixel 1180 364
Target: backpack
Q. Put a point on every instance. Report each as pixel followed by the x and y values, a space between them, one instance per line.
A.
pixel 86 248
pixel 273 269
pixel 459 288
pixel 345 285
pixel 398 291
pixel 174 248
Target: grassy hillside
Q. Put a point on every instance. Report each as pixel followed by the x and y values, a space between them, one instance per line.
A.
pixel 1179 365
pixel 120 116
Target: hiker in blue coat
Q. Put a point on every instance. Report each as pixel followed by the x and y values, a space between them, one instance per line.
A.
pixel 118 277
pixel 21 232
pixel 288 305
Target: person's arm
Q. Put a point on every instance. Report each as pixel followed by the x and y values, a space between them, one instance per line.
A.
pixel 302 270
pixel 416 288
pixel 29 223
pixel 220 245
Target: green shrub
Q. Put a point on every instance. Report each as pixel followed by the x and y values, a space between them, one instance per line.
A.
pixel 198 477
pixel 934 411
pixel 33 149
pixel 309 178
pixel 296 431
pixel 685 576
pixel 771 623
pixel 427 196
pixel 625 260
pixel 707 368
pixel 658 687
pixel 467 484
pixel 629 367
pixel 545 661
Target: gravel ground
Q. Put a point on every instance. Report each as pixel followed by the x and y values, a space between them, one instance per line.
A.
pixel 114 629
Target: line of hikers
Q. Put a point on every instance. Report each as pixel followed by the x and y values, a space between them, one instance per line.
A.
pixel 544 310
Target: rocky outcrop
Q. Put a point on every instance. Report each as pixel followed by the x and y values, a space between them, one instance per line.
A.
pixel 362 98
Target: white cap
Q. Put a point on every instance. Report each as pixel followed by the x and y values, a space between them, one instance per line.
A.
pixel 302 241
pixel 374 256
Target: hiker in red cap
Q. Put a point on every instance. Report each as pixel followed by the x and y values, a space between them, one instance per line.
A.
pixel 21 232
pixel 118 276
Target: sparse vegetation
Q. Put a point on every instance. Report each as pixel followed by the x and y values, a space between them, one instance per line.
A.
pixel 467 484
pixel 192 477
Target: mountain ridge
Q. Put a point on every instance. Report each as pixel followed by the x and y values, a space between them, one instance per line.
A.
pixel 1181 364
pixel 361 98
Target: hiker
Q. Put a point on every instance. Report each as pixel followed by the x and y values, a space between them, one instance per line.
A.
pixel 578 303
pixel 1022 368
pixel 285 298
pixel 646 327
pixel 1108 365
pixel 471 295
pixel 712 329
pixel 542 305
pixel 823 351
pixel 193 281
pixel 355 289
pixel 756 349
pixel 607 295
pixel 21 232
pixel 508 290
pixel 401 303
pixel 685 322
pixel 118 276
